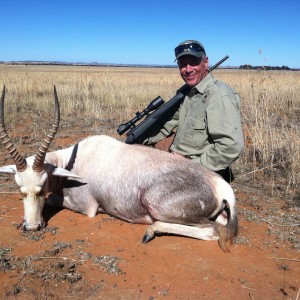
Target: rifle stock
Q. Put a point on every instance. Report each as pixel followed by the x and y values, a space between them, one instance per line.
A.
pixel 154 122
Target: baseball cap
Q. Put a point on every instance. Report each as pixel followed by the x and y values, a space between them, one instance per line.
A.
pixel 189 47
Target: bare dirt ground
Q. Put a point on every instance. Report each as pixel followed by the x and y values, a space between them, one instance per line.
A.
pixel 77 257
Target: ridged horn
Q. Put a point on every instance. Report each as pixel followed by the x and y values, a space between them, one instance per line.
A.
pixel 18 159
pixel 38 164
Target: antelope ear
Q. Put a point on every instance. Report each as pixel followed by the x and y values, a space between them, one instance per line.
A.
pixel 61 172
pixel 11 169
pixel 64 173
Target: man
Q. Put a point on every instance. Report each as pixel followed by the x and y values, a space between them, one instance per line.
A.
pixel 208 124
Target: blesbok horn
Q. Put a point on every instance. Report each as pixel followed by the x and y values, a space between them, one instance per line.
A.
pixel 18 159
pixel 38 164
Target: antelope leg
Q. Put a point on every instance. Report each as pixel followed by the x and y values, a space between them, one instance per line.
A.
pixel 206 232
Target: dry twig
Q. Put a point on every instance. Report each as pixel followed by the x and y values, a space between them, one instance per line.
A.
pixel 283 258
pixel 53 257
pixel 10 192
pixel 281 225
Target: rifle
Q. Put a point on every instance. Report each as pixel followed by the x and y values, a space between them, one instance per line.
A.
pixel 163 112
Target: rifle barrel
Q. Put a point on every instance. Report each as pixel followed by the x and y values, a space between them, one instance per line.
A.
pixel 218 63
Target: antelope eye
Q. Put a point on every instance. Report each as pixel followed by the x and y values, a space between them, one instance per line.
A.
pixel 38 191
pixel 23 191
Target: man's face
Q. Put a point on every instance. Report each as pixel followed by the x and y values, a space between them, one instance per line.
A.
pixel 192 69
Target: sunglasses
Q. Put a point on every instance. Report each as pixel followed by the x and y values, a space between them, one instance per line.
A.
pixel 192 47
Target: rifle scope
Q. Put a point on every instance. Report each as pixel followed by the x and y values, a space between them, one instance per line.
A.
pixel 154 104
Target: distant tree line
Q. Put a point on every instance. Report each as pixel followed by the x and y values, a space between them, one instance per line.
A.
pixel 242 67
pixel 265 68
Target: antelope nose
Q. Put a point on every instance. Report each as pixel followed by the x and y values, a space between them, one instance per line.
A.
pixel 31 227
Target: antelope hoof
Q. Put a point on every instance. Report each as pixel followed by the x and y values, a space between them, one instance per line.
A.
pixel 148 236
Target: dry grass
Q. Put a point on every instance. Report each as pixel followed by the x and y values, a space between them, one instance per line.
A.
pixel 270 107
pixel 271 117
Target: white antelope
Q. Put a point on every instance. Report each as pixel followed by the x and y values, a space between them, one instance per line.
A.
pixel 131 182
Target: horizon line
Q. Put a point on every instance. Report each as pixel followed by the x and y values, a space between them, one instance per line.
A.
pixel 45 62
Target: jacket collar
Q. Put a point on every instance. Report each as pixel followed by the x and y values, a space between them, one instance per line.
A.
pixel 204 83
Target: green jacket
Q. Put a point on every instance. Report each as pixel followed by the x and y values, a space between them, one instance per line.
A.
pixel 208 125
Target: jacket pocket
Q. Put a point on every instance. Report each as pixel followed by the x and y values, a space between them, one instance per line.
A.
pixel 195 135
pixel 196 124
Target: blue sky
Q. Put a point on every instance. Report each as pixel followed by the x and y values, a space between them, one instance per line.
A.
pixel 146 32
